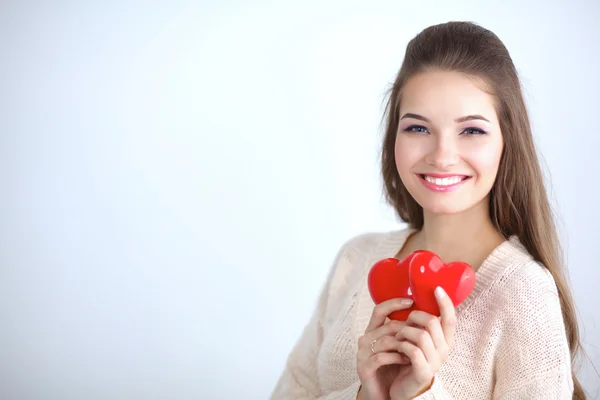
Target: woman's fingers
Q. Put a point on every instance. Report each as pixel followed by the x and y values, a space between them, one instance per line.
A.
pixel 431 324
pixel 448 315
pixel 379 347
pixel 417 359
pixel 422 339
pixel 378 360
pixel 383 309
pixel 441 329
pixel 380 340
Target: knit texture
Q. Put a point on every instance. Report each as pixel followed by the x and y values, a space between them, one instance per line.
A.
pixel 510 340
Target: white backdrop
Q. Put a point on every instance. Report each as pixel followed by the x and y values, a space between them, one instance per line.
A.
pixel 177 178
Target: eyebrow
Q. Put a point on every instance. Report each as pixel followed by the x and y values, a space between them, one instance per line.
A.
pixel 458 120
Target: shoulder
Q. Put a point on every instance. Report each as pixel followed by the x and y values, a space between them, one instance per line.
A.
pixel 533 343
pixel 526 295
pixel 361 244
pixel 523 278
pixel 365 244
pixel 358 251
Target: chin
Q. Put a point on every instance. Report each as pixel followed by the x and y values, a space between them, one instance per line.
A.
pixel 444 209
pixel 447 206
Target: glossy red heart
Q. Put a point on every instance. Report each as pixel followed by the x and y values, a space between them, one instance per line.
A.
pixel 388 279
pixel 427 271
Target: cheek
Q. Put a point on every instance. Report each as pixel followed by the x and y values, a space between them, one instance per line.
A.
pixel 406 154
pixel 487 158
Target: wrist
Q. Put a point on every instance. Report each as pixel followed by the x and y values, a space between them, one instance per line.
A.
pixel 424 389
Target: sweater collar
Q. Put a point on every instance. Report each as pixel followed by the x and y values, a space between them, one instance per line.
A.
pixel 492 267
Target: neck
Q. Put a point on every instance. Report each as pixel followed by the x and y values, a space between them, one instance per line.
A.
pixel 467 236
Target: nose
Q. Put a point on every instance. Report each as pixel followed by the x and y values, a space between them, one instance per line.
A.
pixel 444 154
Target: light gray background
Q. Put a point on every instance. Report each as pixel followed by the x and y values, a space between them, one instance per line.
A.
pixel 177 178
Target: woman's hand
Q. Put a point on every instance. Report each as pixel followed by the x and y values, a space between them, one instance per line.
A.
pixel 378 359
pixel 426 340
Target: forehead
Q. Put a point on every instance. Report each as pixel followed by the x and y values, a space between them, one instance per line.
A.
pixel 446 95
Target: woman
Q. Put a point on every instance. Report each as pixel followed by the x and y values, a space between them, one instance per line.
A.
pixel 460 167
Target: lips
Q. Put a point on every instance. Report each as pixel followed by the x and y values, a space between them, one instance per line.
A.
pixel 443 183
pixel 444 180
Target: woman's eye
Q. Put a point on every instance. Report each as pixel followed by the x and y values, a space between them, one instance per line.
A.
pixel 416 129
pixel 422 129
pixel 473 131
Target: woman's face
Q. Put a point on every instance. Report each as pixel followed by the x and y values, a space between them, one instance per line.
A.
pixel 449 143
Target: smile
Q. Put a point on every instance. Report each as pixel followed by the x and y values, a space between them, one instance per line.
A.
pixel 443 183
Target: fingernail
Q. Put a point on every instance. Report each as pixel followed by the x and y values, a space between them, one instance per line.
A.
pixel 439 292
pixel 407 302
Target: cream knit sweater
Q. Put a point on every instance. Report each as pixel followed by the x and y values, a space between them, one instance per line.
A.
pixel 510 341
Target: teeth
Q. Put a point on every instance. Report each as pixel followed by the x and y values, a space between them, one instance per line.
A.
pixel 444 181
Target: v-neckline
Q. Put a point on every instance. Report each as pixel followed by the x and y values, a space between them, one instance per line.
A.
pixel 392 242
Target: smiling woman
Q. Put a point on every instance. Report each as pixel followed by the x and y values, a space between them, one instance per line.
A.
pixel 459 166
pixel 446 142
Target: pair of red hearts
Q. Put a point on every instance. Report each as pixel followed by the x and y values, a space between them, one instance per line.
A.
pixel 416 278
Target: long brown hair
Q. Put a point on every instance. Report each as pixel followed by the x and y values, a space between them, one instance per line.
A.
pixel 518 201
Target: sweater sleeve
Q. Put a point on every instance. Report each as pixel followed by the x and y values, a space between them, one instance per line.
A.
pixel 533 359
pixel 437 391
pixel 300 379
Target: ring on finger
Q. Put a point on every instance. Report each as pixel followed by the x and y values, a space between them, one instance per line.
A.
pixel 373 346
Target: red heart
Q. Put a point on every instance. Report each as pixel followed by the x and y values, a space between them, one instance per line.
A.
pixel 427 271
pixel 388 279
